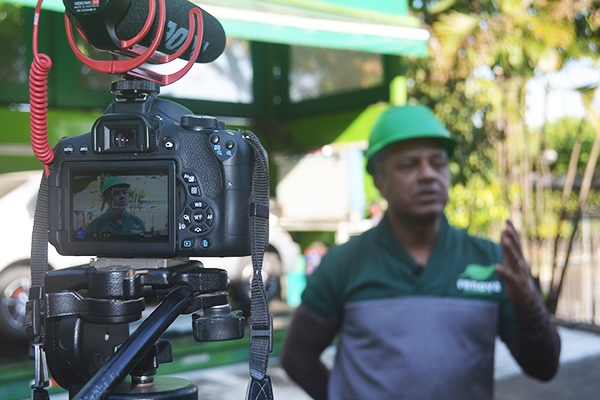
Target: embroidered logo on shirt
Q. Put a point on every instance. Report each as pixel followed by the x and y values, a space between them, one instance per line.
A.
pixel 136 228
pixel 475 280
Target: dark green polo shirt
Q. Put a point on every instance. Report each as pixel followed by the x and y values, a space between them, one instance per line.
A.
pixel 131 225
pixel 408 332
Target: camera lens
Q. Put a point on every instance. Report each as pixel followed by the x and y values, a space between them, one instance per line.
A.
pixel 124 138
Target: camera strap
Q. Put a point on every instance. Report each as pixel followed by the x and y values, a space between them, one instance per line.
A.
pixel 35 304
pixel 261 321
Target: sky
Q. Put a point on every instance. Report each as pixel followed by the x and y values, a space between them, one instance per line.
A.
pixel 562 99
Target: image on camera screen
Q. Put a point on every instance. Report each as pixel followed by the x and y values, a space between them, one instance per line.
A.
pixel 120 207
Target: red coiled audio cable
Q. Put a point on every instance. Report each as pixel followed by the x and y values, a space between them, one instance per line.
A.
pixel 38 98
pixel 132 66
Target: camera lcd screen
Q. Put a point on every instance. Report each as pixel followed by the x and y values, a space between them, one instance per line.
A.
pixel 120 206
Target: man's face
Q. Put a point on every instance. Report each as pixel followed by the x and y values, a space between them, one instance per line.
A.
pixel 414 179
pixel 117 197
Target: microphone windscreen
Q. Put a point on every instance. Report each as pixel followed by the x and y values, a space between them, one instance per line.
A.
pixel 176 29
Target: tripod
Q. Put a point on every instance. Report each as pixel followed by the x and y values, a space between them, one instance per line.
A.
pixel 88 346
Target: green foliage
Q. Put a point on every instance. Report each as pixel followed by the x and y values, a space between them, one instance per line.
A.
pixel 12 62
pixel 561 135
pixel 480 203
pixel 478 206
pixel 463 110
pixel 482 54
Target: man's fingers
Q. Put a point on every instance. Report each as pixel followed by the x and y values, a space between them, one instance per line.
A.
pixel 511 247
pixel 513 230
pixel 512 253
pixel 505 273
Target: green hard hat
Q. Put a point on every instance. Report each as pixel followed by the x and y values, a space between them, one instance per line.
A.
pixel 113 181
pixel 400 123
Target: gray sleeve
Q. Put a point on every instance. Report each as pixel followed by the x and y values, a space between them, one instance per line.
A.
pixel 307 336
pixel 537 345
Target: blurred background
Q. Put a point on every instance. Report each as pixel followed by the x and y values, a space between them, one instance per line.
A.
pixel 514 81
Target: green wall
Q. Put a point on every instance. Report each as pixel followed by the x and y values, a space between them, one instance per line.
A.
pixel 15 148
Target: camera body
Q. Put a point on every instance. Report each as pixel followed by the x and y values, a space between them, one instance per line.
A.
pixel 151 179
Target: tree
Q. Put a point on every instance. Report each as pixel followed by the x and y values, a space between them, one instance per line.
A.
pixel 488 50
pixel 583 199
pixel 483 54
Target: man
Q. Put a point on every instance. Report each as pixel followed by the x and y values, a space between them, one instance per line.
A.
pixel 416 303
pixel 116 220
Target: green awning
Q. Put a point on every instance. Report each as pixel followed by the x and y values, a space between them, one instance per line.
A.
pixel 360 128
pixel 381 28
pixel 320 24
pixel 51 5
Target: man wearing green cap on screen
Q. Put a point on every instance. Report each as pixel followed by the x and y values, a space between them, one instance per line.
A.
pixel 416 303
pixel 116 220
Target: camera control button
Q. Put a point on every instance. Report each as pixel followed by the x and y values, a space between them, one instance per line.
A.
pixel 198 217
pixel 84 149
pixel 68 149
pixel 195 190
pixel 229 145
pixel 214 139
pixel 210 216
pixel 187 218
pixel 198 204
pixel 205 243
pixel 199 229
pixel 169 144
pixel 189 178
pixel 187 243
pixel 218 150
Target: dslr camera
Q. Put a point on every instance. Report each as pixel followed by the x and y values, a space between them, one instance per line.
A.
pixel 151 179
pixel 150 186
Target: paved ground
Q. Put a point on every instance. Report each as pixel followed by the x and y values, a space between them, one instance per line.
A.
pixel 577 379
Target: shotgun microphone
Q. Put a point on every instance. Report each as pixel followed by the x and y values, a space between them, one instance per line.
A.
pixel 105 23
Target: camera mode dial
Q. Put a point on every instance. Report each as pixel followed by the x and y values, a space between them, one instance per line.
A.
pixel 200 122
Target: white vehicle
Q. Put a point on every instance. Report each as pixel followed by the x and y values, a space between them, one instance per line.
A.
pixel 18 195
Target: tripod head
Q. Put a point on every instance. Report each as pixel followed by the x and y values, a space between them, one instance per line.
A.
pixel 89 309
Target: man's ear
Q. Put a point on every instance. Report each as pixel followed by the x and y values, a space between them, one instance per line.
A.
pixel 379 183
